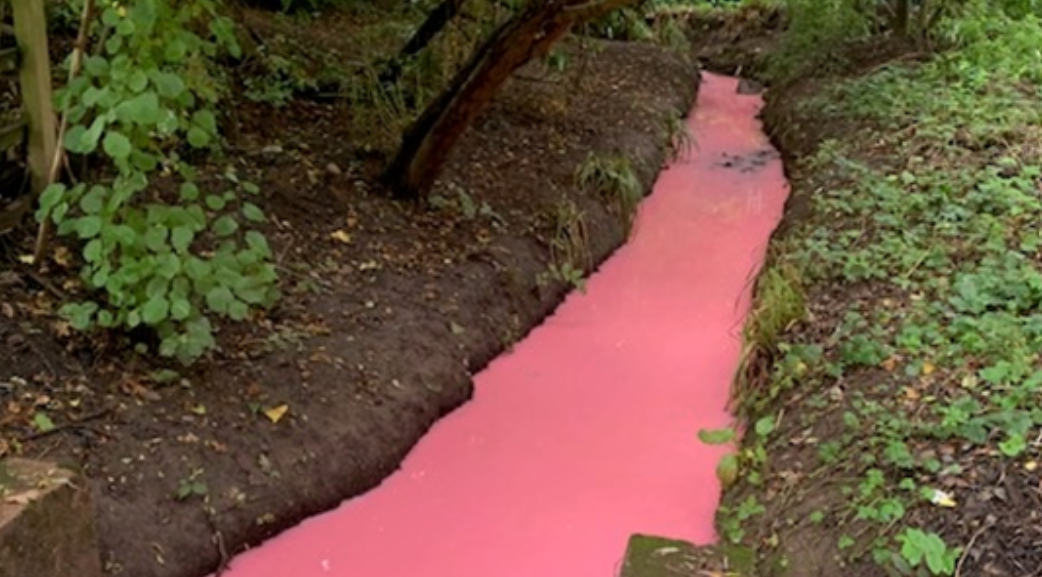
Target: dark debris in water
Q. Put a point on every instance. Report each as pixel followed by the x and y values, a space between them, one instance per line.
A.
pixel 749 162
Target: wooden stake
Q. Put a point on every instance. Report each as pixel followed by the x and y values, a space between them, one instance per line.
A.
pixel 57 154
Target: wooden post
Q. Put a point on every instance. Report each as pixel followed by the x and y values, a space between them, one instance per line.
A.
pixel 30 28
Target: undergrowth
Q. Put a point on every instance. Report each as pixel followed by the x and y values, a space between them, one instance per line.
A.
pixel 898 329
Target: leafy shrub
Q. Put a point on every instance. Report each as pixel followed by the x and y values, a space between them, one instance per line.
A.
pixel 819 31
pixel 168 266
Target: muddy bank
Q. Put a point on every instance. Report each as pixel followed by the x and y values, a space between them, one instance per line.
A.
pixel 389 310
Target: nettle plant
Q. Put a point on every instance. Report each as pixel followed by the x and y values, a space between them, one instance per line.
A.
pixel 169 260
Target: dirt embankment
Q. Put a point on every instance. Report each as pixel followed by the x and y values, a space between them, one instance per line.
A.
pixel 389 309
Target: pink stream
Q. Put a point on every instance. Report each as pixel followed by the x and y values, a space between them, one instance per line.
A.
pixel 587 431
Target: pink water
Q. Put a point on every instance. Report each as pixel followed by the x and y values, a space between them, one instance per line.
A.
pixel 587 431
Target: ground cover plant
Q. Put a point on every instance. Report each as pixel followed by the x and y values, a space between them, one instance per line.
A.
pixel 892 377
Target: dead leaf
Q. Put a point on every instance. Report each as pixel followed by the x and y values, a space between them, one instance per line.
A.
pixel 63 329
pixel 24 498
pixel 61 256
pixel 275 414
pixel 942 498
pixel 341 236
pixel 928 368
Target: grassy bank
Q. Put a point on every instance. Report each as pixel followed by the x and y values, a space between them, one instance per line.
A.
pixel 892 382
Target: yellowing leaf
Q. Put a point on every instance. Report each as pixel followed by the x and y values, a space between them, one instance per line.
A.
pixel 25 259
pixel 199 410
pixel 1031 465
pixel 24 498
pixel 928 368
pixel 727 470
pixel 942 498
pixel 341 236
pixel 275 414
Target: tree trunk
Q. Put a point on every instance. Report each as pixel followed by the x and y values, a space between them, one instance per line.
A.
pixel 529 34
pixel 436 21
pixel 900 20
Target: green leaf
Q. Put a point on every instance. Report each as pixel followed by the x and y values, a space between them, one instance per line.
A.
pixel 181 238
pixel 198 137
pixel 50 198
pixel 80 314
pixel 197 269
pixel 215 202
pixel 126 27
pixel 110 17
pixel 155 238
pixel 238 310
pixel 144 161
pixel 258 243
pixel 138 81
pixel 93 96
pixel 765 426
pixel 93 201
pixel 96 65
pixel 43 423
pixel 180 309
pixel 1013 446
pixel 92 136
pixel 155 311
pixel 116 145
pixel 225 226
pixel 189 191
pixel 88 227
pixel 93 252
pixel 143 109
pixel 206 120
pixel 252 212
pixel 124 235
pixel 169 85
pixel 168 265
pixel 175 50
pixel 100 278
pixel 114 44
pixel 219 299
pixel 74 138
pixel 716 437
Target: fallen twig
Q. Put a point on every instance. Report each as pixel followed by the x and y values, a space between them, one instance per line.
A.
pixel 966 552
pixel 218 540
pixel 65 426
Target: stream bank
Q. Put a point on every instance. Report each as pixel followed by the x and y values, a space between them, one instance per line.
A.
pixel 891 382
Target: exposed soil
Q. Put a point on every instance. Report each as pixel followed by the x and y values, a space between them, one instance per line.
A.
pixel 376 338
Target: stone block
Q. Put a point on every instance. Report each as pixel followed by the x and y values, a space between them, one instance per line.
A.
pixel 46 522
